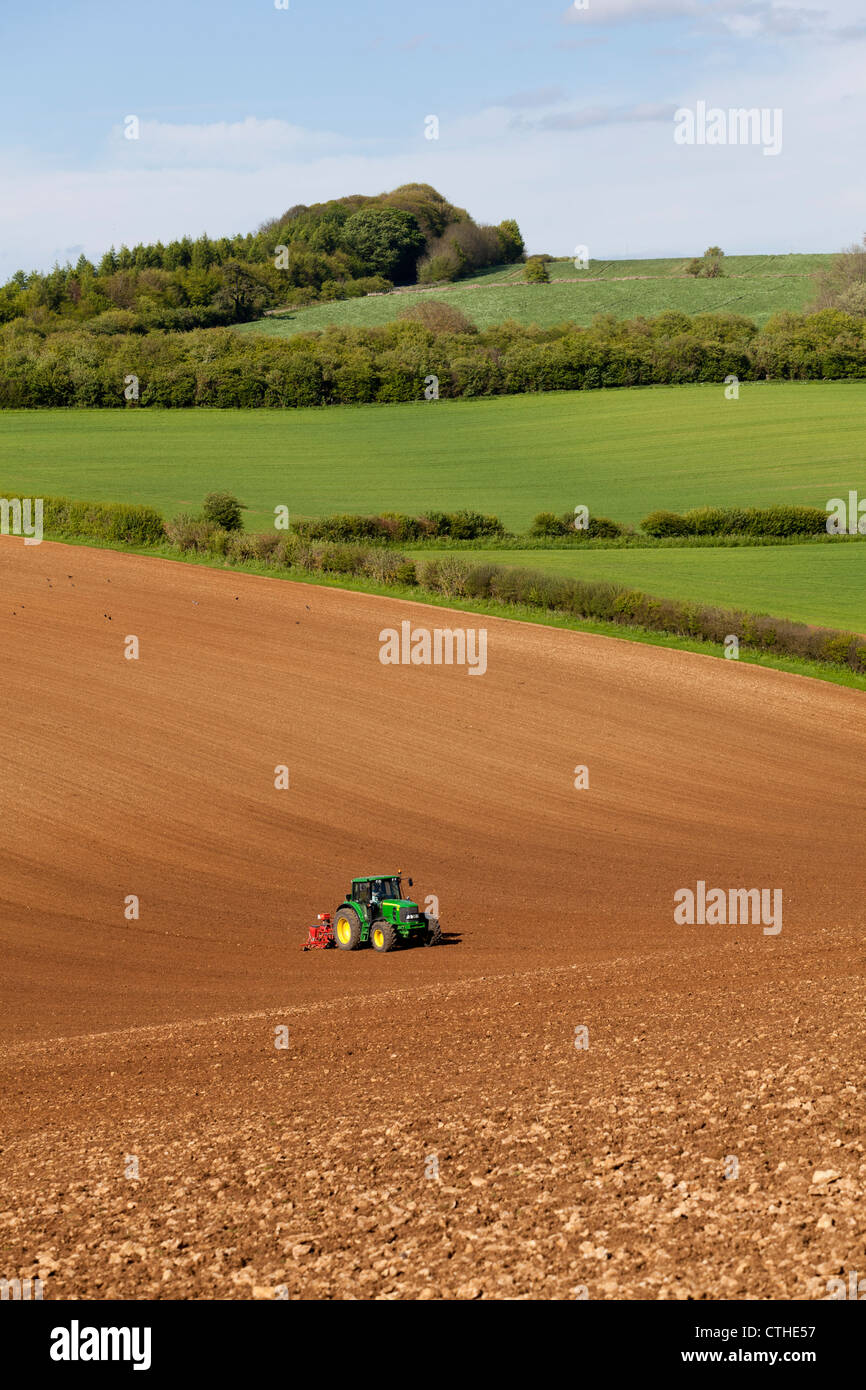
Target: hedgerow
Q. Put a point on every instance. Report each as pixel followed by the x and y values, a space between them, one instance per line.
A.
pixel 126 523
pixel 780 520
pixel 394 362
pixel 452 576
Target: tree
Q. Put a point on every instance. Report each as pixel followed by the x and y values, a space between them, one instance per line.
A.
pixel 242 292
pixel 223 510
pixel 843 284
pixel 709 265
pixel 386 240
pixel 535 271
pixel 513 248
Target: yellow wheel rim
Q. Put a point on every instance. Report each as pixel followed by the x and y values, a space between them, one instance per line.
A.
pixel 379 937
pixel 344 931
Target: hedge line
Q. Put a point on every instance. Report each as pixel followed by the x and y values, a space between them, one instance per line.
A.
pixel 745 521
pixel 780 521
pixel 394 362
pixel 120 522
pixel 456 578
pixel 394 526
pixel 142 525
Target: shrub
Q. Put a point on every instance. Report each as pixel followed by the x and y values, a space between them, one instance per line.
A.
pixel 189 532
pixel 444 265
pixel 462 525
pixel 223 510
pixel 453 576
pixel 535 271
pixel 661 523
pixel 709 265
pixel 603 528
pixel 387 566
pixel 548 524
pixel 438 317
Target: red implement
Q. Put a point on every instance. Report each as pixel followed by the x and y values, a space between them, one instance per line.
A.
pixel 320 936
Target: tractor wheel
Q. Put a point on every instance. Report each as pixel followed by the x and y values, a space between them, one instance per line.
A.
pixel 347 929
pixel 434 933
pixel 383 936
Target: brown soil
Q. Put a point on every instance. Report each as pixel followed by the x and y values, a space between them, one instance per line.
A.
pixel 310 1168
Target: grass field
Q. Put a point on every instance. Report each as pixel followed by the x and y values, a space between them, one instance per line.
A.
pixel 621 453
pixel 756 286
pixel 823 584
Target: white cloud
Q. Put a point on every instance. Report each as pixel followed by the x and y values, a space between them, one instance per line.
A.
pixel 603 116
pixel 623 11
pixel 746 19
pixel 247 144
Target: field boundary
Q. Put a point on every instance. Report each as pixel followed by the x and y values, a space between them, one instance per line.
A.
pixel 797 666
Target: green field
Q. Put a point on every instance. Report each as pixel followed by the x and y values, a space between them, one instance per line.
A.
pixel 823 584
pixel 621 453
pixel 756 286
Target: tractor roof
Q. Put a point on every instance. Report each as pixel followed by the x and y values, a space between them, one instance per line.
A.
pixel 368 878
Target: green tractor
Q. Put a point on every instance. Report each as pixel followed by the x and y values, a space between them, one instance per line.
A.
pixel 375 911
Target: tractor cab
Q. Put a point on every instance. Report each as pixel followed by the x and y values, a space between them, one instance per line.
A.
pixel 372 894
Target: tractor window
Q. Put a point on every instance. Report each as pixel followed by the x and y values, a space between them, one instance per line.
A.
pixel 386 888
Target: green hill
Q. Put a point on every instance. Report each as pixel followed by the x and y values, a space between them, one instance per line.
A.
pixel 755 286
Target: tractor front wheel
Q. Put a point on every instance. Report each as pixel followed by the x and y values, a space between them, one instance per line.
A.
pixel 347 929
pixel 434 933
pixel 383 936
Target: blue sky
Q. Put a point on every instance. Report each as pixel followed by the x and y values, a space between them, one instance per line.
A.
pixel 558 116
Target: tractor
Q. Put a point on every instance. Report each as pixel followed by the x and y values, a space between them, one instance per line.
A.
pixel 375 911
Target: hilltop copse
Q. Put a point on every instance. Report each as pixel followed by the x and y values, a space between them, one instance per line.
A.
pixel 340 249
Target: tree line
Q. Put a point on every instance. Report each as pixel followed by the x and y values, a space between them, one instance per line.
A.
pixel 410 360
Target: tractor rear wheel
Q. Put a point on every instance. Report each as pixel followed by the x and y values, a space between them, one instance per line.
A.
pixel 347 929
pixel 434 932
pixel 383 936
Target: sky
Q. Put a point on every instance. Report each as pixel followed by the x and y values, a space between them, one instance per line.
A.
pixel 565 118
